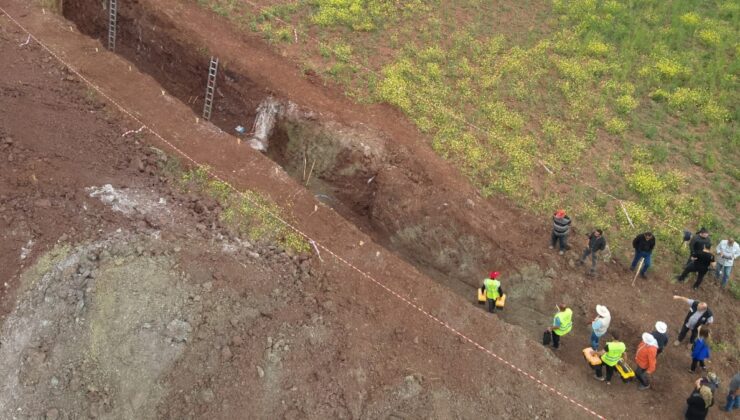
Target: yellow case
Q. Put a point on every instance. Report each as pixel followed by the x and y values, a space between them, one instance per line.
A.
pixel 481 297
pixel 501 301
pixel 591 357
pixel 625 371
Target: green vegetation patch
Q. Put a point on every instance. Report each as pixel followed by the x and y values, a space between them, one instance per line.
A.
pixel 638 99
pixel 249 212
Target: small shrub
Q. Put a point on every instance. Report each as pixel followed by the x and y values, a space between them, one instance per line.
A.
pixel 709 37
pixel 645 181
pixel 690 19
pixel 625 104
pixel 616 126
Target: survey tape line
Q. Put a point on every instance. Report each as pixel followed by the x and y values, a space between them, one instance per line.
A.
pixel 460 119
pixel 300 232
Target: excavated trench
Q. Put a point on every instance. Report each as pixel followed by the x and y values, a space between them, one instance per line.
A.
pixel 351 169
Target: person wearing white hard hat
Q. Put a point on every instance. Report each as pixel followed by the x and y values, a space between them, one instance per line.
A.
pixel 661 335
pixel 599 325
pixel 646 361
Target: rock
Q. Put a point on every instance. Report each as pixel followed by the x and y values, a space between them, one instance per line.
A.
pixel 329 306
pixel 550 273
pixel 253 255
pixel 260 372
pixel 469 203
pixel 138 164
pixel 179 330
pixel 43 203
pixel 226 353
pixel 8 140
pixel 207 395
pixel 571 263
pixel 207 286
pixel 411 387
pixel 52 414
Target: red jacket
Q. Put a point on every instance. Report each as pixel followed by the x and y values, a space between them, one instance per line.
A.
pixel 646 357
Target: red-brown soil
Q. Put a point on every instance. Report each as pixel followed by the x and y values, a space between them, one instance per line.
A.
pixel 377 356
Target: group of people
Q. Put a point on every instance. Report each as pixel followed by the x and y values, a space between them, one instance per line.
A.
pixel 696 323
pixel 701 258
pixel 651 345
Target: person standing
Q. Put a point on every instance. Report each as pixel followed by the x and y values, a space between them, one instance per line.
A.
pixel 610 356
pixel 492 288
pixel 698 241
pixel 562 323
pixel 643 245
pixel 646 360
pixel 733 395
pixel 699 314
pixel 699 401
pixel 661 335
pixel 727 251
pixel 700 350
pixel 560 230
pixel 699 264
pixel 599 325
pixel 596 243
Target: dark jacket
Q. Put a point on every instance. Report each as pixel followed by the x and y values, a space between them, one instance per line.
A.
pixel 560 226
pixel 696 244
pixel 704 317
pixel 697 409
pixel 596 244
pixel 703 260
pixel 662 340
pixel 642 244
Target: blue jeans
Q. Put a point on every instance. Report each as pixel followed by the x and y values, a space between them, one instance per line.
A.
pixel 561 240
pixel 645 264
pixel 723 273
pixel 594 341
pixel 732 402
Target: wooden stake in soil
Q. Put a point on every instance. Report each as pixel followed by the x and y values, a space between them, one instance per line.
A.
pixel 310 172
pixel 637 272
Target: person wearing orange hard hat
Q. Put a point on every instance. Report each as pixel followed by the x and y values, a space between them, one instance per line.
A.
pixel 560 230
pixel 492 288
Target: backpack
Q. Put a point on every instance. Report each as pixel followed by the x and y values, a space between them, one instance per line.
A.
pixel 546 338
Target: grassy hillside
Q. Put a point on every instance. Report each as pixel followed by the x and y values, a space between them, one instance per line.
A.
pixel 637 99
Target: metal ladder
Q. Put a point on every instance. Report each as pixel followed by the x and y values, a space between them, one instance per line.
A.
pixel 210 88
pixel 112 16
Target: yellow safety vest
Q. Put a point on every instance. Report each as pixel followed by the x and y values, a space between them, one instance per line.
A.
pixel 616 349
pixel 492 288
pixel 566 322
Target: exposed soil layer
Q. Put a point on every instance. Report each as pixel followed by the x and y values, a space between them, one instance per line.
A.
pixel 384 189
pixel 367 333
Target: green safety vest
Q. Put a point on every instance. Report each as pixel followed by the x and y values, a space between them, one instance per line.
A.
pixel 492 288
pixel 566 322
pixel 616 349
